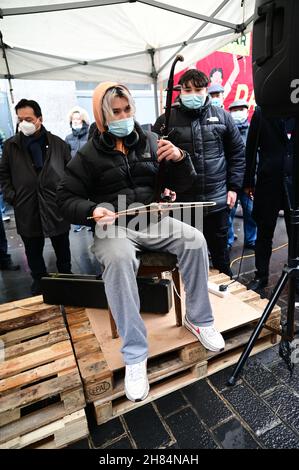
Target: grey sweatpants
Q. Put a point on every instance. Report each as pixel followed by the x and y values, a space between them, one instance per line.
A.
pixel 116 249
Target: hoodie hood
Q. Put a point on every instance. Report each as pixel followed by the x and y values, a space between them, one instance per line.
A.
pixel 83 113
pixel 97 99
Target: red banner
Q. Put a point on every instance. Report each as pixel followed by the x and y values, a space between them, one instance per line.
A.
pixel 233 72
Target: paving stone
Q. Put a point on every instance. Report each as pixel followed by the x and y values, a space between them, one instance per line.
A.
pixel 189 432
pixel 232 435
pixel 281 371
pixel 266 357
pixel 146 428
pixel 280 437
pixel 103 433
pixel 286 405
pixel 173 446
pixel 219 380
pixel 208 405
pixel 83 444
pixel 259 377
pixel 170 403
pixel 254 412
pixel 123 443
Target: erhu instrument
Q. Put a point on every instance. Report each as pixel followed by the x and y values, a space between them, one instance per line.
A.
pixel 159 197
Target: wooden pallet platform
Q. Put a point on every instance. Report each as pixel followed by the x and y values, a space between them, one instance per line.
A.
pixel 107 409
pixel 96 377
pixel 54 435
pixel 172 364
pixel 39 378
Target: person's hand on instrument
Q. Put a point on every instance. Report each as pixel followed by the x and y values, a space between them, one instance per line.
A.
pixel 168 151
pixel 169 194
pixel 103 216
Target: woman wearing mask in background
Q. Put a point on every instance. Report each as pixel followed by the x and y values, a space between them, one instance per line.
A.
pixel 79 122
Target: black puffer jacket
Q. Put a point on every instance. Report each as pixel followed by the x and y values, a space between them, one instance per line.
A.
pixel 32 195
pixel 99 175
pixel 213 141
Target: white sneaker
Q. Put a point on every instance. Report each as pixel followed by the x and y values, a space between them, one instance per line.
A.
pixel 209 337
pixel 5 218
pixel 136 381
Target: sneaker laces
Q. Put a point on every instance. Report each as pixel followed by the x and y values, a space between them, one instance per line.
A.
pixel 209 331
pixel 136 371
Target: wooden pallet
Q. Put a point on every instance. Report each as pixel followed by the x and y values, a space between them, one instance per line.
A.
pixel 39 379
pixel 54 435
pixel 96 377
pixel 173 363
pixel 117 404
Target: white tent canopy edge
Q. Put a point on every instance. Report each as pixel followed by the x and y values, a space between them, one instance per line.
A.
pixel 123 40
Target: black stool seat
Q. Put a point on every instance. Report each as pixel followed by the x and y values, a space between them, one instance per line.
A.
pixel 157 262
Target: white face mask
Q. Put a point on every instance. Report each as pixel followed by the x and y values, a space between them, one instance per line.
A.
pixel 28 128
pixel 76 125
pixel 239 116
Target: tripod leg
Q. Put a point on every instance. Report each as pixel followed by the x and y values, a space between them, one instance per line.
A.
pixel 272 301
pixel 291 310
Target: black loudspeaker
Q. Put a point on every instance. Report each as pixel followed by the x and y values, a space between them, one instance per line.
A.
pixel 275 57
pixel 88 291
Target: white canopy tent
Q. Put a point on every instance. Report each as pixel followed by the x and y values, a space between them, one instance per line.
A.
pixel 127 41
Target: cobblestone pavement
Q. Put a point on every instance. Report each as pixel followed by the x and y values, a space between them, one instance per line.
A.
pixel 260 411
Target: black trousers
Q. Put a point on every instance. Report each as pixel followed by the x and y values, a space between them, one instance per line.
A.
pixel 266 206
pixel 263 245
pixel 215 230
pixel 34 251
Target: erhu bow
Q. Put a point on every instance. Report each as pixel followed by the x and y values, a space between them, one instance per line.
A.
pixel 159 197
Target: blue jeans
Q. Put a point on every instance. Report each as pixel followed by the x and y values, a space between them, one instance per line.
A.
pixel 248 222
pixel 2 204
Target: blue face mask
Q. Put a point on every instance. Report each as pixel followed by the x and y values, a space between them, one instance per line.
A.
pixel 122 127
pixel 217 102
pixel 193 101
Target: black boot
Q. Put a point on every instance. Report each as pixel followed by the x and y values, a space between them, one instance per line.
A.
pixel 258 283
pixel 36 287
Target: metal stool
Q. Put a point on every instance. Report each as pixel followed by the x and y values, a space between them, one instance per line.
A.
pixel 152 262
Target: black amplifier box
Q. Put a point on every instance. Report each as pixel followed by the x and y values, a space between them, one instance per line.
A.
pixel 88 291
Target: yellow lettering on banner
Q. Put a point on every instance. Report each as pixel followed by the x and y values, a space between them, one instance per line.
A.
pixel 240 46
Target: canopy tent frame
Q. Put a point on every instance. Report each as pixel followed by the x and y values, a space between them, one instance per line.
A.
pixel 98 3
pixel 154 73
